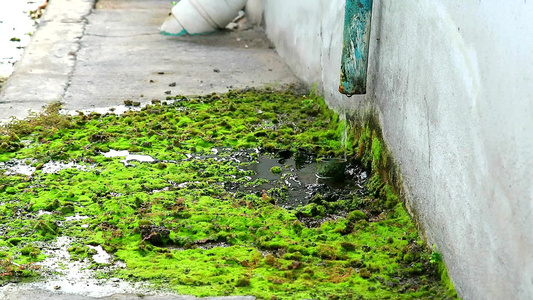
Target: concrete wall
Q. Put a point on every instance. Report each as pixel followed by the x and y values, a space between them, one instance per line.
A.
pixel 453 84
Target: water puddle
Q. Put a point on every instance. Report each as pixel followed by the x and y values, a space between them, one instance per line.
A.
pixel 56 166
pixel 76 217
pixel 290 179
pixel 60 273
pixel 18 166
pixel 293 180
pixel 117 110
pixel 28 167
pixel 43 212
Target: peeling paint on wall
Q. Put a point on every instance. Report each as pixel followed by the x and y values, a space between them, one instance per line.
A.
pixel 356 39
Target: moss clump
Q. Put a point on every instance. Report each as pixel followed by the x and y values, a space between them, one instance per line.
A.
pixel 275 170
pixel 178 223
pixel 80 252
pixel 356 215
pixel 242 282
pixel 30 250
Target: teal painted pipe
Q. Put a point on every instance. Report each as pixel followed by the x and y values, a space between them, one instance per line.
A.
pixel 354 66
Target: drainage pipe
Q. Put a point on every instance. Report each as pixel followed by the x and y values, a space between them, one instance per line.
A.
pixel 200 16
pixel 354 65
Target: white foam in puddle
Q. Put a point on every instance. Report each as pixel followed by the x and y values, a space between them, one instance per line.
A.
pixel 76 217
pixel 129 157
pixel 101 256
pixel 116 153
pixel 19 168
pixel 56 166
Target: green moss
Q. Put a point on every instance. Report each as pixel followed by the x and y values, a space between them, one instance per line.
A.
pixel 446 281
pixel 30 250
pixel 386 185
pixel 356 215
pixel 175 224
pixel 275 170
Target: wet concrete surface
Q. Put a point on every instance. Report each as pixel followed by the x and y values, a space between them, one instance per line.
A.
pixel 47 295
pixel 91 57
pixel 16 28
pixel 43 73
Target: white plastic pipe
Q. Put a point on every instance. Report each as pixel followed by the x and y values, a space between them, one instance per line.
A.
pixel 200 16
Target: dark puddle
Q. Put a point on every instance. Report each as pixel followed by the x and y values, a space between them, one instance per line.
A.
pixel 291 179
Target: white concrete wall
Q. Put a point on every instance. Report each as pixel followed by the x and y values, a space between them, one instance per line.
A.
pixel 254 11
pixel 453 84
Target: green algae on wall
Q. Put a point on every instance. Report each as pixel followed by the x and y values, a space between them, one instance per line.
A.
pixel 386 182
pixel 176 222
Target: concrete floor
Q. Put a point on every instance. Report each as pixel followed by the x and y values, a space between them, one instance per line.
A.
pixel 47 295
pixel 91 57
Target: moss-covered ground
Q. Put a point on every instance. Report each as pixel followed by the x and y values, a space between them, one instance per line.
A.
pixel 175 223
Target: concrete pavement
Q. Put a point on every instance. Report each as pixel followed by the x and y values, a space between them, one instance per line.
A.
pixel 46 295
pixel 91 57
pixel 43 73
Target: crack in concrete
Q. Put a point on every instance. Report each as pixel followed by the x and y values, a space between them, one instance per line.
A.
pixel 74 53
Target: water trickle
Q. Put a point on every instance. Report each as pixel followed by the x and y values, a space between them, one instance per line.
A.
pixel 344 134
